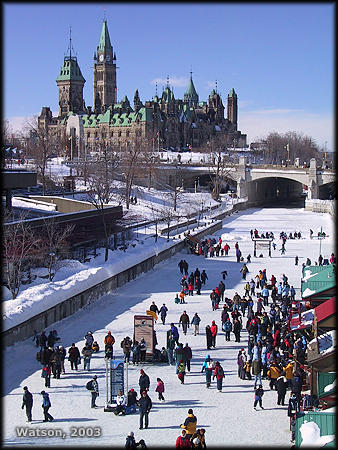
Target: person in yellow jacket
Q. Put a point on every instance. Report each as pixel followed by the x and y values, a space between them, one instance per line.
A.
pixel 190 423
pixel 273 373
pixel 289 371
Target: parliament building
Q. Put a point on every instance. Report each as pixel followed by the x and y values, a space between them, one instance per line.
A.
pixel 163 122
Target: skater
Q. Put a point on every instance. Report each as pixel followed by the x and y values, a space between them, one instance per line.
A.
pixel 126 346
pixel 195 321
pixel 185 321
pixel 190 424
pixel 143 350
pixel 181 371
pixel 109 339
pixel 219 374
pixel 273 373
pixel 244 271
pixel 145 404
pixel 237 330
pixel 174 332
pixel 181 266
pixel 258 397
pixel 281 385
pixel 208 336
pixel 163 313
pixel 182 297
pixel 136 353
pixel 27 401
pixel 213 330
pixel 46 404
pixel 183 441
pixel 89 338
pixel 224 274
pixel 208 367
pixel 227 328
pixel 46 374
pixel 188 355
pixel 160 389
pixel 153 307
pixel 74 356
pixel 204 277
pixel 93 387
pixel 87 355
pixel 296 260
pixel 143 382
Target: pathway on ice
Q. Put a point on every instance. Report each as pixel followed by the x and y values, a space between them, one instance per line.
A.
pixel 228 417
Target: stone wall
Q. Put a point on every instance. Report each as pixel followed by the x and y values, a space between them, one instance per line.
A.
pixel 323 206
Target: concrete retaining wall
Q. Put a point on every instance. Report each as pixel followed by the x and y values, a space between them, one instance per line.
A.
pixel 73 304
pixel 324 206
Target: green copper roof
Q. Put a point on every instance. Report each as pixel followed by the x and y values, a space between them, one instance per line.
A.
pixel 70 71
pixel 191 91
pixel 168 95
pixel 104 43
pixel 317 279
pixel 212 93
pixel 232 93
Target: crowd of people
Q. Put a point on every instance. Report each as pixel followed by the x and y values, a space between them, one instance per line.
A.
pixel 272 351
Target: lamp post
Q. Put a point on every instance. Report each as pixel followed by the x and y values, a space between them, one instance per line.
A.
pixel 287 146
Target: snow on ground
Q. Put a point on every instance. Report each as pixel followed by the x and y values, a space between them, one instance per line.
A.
pixel 228 417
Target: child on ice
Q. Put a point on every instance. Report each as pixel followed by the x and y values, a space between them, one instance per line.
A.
pixel 258 397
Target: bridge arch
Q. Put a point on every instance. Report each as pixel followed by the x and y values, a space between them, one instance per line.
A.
pixel 275 189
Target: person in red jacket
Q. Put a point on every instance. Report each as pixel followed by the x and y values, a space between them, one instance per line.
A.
pixel 213 329
pixel 183 440
pixel 276 338
pixel 219 374
pixel 190 289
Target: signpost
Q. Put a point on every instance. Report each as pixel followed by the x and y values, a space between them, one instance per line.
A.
pixel 262 243
pixel 114 380
pixel 144 328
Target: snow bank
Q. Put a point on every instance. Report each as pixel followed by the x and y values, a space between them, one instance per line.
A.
pixel 311 437
pixel 75 278
pixel 329 387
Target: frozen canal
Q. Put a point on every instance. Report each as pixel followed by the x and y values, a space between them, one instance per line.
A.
pixel 228 417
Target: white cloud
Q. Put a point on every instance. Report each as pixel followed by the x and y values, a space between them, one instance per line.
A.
pixel 173 81
pixel 259 123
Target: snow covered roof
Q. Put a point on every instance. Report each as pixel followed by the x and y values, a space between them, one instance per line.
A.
pixel 326 342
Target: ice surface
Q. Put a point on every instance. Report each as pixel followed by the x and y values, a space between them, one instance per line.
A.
pixel 228 417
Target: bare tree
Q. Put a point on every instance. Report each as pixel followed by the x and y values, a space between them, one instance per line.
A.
pixel 54 245
pixel 43 143
pixel 18 244
pixel 131 163
pixel 290 145
pixel 101 187
pixel 221 165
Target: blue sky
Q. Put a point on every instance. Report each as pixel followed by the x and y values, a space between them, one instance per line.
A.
pixel 279 57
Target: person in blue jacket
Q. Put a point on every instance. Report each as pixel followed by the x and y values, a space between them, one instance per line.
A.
pixel 174 332
pixel 207 366
pixel 227 328
pixel 46 404
pixel 265 295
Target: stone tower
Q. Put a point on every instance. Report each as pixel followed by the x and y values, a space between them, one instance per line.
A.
pixel 104 89
pixel 191 96
pixel 70 83
pixel 216 108
pixel 232 107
